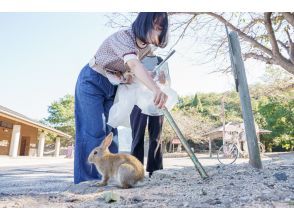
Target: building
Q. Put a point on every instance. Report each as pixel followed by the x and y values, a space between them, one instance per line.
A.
pixel 22 136
pixel 233 133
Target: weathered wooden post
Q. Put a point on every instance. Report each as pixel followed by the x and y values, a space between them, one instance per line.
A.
pixel 224 119
pixel 242 88
pixel 209 147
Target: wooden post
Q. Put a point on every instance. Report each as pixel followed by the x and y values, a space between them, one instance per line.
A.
pixel 41 144
pixel 242 88
pixel 223 117
pixel 57 146
pixel 210 153
pixel 14 143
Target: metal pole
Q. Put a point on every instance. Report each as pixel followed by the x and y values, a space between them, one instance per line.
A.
pixel 242 88
pixel 173 124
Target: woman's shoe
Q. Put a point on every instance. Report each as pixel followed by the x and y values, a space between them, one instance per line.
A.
pixel 150 174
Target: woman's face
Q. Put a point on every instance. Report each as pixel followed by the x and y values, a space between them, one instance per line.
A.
pixel 153 37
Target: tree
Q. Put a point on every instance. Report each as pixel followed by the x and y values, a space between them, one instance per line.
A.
pixel 272 105
pixel 196 102
pixel 279 118
pixel 274 108
pixel 265 37
pixel 62 115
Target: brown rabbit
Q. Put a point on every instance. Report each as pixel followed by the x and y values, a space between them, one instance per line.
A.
pixel 124 168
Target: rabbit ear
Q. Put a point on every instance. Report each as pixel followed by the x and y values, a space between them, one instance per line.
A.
pixel 107 141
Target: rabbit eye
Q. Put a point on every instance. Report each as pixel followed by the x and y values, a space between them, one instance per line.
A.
pixel 95 152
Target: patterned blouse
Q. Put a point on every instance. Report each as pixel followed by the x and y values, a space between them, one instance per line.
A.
pixel 117 49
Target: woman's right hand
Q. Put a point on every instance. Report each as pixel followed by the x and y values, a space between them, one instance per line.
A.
pixel 160 98
pixel 142 75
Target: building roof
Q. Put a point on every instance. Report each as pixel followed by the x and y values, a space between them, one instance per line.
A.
pixel 8 113
pixel 228 127
pixel 232 126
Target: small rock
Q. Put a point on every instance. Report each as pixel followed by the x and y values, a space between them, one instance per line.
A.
pixel 281 176
pixel 71 200
pixel 244 199
pixel 203 192
pixel 270 185
pixel 218 202
pixel 213 201
pixel 227 205
pixel 186 204
pixel 110 197
pixel 137 199
pixel 227 187
pixel 266 191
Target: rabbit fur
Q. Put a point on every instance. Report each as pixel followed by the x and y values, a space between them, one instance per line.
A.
pixel 126 169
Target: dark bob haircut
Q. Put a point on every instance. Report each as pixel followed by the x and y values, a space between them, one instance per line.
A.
pixel 144 23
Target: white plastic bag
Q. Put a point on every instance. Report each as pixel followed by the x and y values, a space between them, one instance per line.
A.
pixel 128 95
pixel 124 101
pixel 145 100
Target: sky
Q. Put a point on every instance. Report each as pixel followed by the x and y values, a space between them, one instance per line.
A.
pixel 41 55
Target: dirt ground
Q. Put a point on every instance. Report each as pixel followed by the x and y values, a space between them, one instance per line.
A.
pixel 48 183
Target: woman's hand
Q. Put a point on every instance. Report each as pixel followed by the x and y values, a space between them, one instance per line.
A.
pixel 160 98
pixel 142 75
pixel 128 78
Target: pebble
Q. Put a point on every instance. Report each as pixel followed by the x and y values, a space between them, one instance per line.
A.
pixel 281 176
pixel 137 199
pixel 203 192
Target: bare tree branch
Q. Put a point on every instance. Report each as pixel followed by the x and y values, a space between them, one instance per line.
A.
pixel 252 23
pixel 278 58
pixel 283 45
pixel 183 32
pixel 289 17
pixel 271 34
pixel 262 58
pixel 242 34
pixel 290 47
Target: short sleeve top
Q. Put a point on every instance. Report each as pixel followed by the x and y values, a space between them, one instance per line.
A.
pixel 113 52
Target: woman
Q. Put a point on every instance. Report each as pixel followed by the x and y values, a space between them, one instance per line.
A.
pixel 96 85
pixel 139 120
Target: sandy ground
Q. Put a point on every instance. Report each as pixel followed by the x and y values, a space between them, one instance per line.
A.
pixel 47 182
